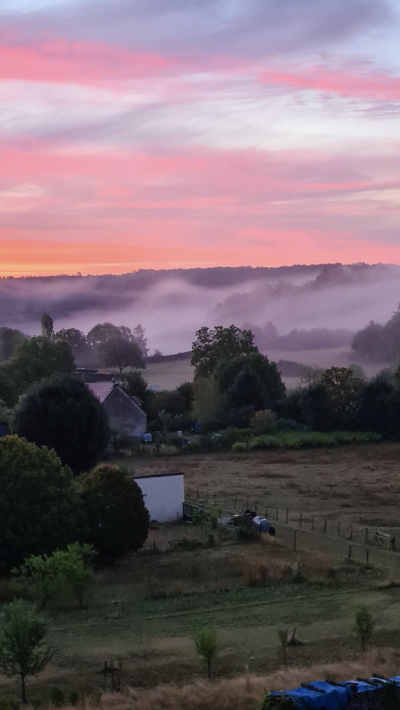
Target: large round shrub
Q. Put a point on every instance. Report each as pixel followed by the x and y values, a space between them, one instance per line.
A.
pixel 63 414
pixel 115 510
pixel 39 510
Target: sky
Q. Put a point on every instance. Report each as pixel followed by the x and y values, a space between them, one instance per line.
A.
pixel 178 133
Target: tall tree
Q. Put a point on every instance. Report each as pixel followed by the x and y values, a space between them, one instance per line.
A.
pixel 10 338
pixel 370 344
pixel 139 333
pixel 37 358
pixel 247 390
pixel 102 332
pixel 317 409
pixel 47 326
pixel 63 414
pixel 344 391
pixel 379 408
pixel 228 370
pixel 39 510
pixel 135 385
pixel 120 353
pixel 213 345
pixel 77 341
pixel 8 388
pixel 392 335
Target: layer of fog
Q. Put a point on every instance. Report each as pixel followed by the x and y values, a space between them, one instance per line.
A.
pixel 172 310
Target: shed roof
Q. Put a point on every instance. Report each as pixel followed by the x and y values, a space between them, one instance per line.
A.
pixel 157 475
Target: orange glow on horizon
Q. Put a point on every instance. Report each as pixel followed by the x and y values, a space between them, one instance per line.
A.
pixel 26 258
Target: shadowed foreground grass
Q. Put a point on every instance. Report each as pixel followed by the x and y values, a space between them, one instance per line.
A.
pixel 245 692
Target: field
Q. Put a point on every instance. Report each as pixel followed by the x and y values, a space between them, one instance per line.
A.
pixel 359 484
pixel 168 374
pixel 145 609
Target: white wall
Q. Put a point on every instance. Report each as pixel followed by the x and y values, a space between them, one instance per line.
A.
pixel 163 495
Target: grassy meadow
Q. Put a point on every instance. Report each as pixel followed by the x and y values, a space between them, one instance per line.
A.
pixel 144 610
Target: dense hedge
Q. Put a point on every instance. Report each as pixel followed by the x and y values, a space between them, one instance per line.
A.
pixel 305 439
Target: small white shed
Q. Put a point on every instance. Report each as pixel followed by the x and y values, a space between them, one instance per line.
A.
pixel 163 495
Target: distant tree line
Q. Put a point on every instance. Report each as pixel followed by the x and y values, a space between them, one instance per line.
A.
pixel 268 337
pixel 379 343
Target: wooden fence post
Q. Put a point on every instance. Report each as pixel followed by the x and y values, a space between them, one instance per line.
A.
pixel 277 515
pixel 366 535
pixel 325 526
pixel 287 515
pixel 338 529
pixel 349 557
pixel 367 556
pixel 301 519
pixel 312 522
pixel 294 541
pixel 255 507
pixel 351 532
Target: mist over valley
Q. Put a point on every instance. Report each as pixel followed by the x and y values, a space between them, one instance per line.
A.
pixel 330 301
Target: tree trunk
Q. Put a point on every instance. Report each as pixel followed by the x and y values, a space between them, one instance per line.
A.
pixel 23 694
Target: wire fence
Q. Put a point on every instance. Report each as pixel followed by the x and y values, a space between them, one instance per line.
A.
pixel 338 537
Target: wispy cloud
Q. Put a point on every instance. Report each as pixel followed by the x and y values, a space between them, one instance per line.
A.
pixel 217 131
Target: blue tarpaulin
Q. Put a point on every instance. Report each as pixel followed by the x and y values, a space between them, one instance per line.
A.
pixel 361 686
pixel 333 697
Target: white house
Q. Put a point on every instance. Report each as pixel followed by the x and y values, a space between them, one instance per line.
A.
pixel 163 495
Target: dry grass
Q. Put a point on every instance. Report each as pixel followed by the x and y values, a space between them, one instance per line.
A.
pixel 357 485
pixel 255 575
pixel 245 692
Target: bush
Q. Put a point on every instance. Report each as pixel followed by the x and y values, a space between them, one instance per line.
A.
pixel 240 447
pixel 307 440
pixel 263 422
pixel 288 425
pixel 39 357
pixel 364 625
pixel 9 704
pixel 39 510
pixel 114 506
pixel 56 697
pixel 73 697
pixel 64 568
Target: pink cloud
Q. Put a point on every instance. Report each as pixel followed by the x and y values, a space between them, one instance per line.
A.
pixel 81 62
pixel 375 85
pixel 194 206
pixel 77 62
